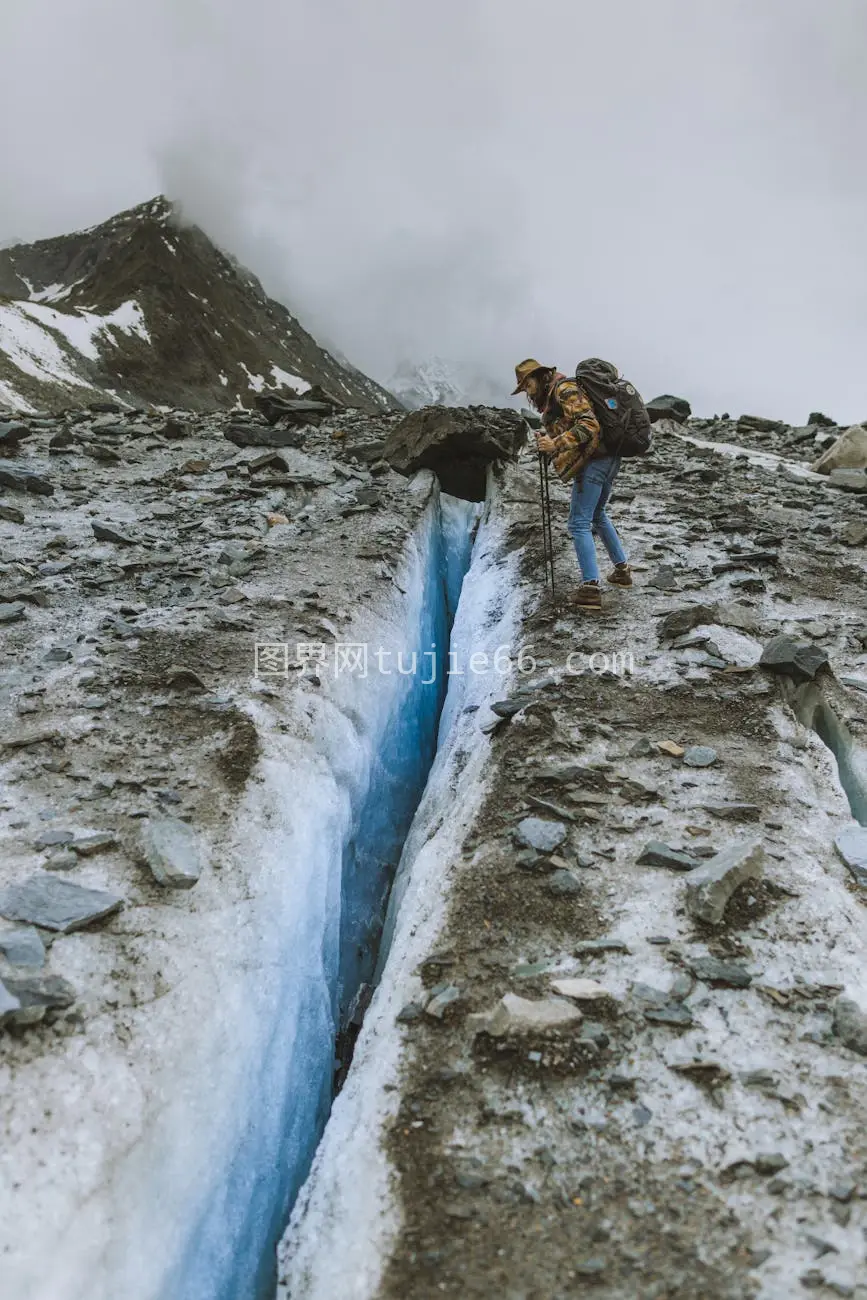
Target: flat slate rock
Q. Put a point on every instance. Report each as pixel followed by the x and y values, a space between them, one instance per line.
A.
pixel 55 904
pixel 23 946
pixel 714 971
pixel 263 435
pixel 172 851
pixel 657 854
pixel 851 844
pixel 105 533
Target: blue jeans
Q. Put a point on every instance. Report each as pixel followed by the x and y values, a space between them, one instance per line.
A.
pixel 587 515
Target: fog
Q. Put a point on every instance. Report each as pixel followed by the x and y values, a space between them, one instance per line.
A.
pixel 677 185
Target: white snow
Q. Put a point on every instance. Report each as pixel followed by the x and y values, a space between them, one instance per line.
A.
pixel 224 379
pixel 170 246
pixel 9 397
pixel 283 378
pixel 32 348
pixel 82 329
pixel 256 382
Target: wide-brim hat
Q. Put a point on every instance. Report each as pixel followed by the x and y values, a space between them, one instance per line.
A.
pixel 524 370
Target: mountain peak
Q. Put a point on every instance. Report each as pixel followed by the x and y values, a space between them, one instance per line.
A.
pixel 147 308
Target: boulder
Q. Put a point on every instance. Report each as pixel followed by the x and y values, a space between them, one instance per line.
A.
pixel 667 407
pixel 171 849
pixel 709 887
pixel 262 435
pixel 848 452
pixel 457 443
pixel 854 533
pixel 824 421
pixel 848 480
pixel 800 660
pixel 12 432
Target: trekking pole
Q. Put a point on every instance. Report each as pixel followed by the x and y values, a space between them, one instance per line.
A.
pixel 547 535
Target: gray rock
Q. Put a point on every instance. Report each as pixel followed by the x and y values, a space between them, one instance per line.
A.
pixel 597 1033
pixel 848 480
pixel 13 515
pixel 853 533
pixel 23 946
pixel 541 835
pixel 851 844
pixel 664 579
pixel 667 407
pixel 9 1004
pixel 12 611
pixel 12 432
pixel 457 443
pixel 714 971
pixel 800 660
pixel 736 812
pixel 172 851
pixel 51 839
pixel 520 1016
pixel 105 533
pixel 675 1014
pixel 54 904
pixel 700 756
pixel 657 854
pixel 850 1025
pixel 710 886
pixel 87 845
pixel 562 884
pixel 251 435
pixel 680 621
pixel 770 1162
pixel 38 994
pixel 62 860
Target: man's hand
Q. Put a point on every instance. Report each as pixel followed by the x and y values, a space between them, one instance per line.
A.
pixel 544 443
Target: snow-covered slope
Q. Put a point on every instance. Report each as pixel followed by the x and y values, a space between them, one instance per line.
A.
pixel 143 308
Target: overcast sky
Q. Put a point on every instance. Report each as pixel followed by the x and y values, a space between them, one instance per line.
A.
pixel 677 185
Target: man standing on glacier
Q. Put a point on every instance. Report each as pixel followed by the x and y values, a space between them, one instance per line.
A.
pixel 573 439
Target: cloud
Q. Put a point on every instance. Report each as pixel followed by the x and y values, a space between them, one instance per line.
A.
pixel 673 184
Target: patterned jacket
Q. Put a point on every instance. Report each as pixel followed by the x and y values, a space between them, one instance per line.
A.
pixel 568 419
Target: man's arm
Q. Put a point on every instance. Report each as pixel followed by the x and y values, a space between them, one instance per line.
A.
pixel 577 428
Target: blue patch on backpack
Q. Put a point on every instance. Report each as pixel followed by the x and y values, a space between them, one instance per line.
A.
pixel 611 403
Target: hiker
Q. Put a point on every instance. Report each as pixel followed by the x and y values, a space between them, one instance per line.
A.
pixel 573 440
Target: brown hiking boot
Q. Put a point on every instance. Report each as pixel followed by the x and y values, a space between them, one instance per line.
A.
pixel 588 596
pixel 621 575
